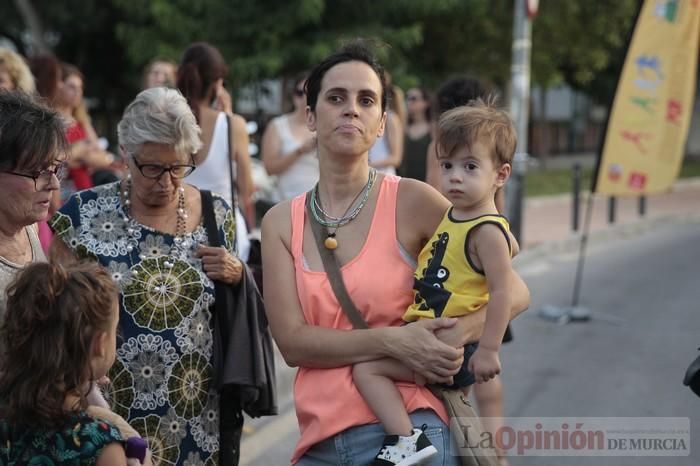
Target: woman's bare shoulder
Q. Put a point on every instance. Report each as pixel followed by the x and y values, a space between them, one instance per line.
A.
pixel 418 200
pixel 278 217
pixel 238 120
pixel 207 116
pixel 417 194
pixel 276 226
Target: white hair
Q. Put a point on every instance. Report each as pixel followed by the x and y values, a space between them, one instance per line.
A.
pixel 159 115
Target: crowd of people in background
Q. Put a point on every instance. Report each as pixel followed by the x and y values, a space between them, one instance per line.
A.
pixel 287 147
pixel 116 207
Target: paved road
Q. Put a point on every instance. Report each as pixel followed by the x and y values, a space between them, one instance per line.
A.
pixel 628 361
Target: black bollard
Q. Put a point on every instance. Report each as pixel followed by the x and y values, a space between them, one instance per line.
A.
pixel 576 195
pixel 642 206
pixel 611 209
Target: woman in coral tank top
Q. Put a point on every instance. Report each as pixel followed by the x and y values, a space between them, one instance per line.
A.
pixel 381 222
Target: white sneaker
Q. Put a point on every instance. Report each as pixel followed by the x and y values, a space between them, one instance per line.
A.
pixel 399 450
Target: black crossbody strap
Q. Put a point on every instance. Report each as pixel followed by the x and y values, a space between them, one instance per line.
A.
pixel 335 277
pixel 209 218
pixel 234 196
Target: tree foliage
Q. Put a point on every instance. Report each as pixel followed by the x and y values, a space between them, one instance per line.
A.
pixel 419 40
pixel 574 42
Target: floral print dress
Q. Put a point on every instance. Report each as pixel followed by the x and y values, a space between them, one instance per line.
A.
pixel 79 441
pixel 160 379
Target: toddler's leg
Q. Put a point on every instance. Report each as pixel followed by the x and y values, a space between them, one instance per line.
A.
pixel 489 398
pixel 375 381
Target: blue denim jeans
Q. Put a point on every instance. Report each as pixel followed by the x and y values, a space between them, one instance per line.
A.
pixel 357 446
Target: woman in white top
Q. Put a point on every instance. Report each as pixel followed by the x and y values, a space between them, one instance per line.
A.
pixel 200 78
pixel 387 152
pixel 289 148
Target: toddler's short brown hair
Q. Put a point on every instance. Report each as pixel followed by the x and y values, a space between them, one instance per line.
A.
pixel 479 121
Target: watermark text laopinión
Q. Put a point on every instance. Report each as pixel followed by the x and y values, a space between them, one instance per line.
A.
pixel 582 436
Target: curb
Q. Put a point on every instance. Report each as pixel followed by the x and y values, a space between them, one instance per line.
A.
pixel 610 233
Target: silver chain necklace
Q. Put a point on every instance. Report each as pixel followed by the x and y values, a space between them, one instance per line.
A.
pixel 329 221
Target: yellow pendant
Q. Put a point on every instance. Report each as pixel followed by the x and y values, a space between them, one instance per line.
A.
pixel 331 243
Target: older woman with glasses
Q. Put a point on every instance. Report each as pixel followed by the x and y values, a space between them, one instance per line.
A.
pixel 289 148
pixel 32 149
pixel 147 230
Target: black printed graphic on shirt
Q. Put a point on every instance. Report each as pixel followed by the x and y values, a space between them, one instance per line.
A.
pixel 430 290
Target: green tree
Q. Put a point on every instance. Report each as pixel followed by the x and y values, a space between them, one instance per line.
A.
pixel 572 42
pixel 420 40
pixel 575 42
pixel 270 37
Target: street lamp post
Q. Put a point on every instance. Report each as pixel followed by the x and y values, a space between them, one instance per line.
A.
pixel 524 10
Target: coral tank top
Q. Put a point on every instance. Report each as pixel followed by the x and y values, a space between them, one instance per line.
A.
pixel 380 282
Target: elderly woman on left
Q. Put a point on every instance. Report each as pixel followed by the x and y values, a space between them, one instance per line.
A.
pixel 147 230
pixel 32 150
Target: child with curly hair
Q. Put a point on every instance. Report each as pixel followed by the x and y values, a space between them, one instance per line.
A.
pixel 59 334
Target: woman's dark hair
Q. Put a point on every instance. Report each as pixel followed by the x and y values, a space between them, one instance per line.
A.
pixel 428 112
pixel 201 65
pixel 68 70
pixel 356 50
pixel 300 78
pixel 47 74
pixel 459 91
pixel 53 313
pixel 32 137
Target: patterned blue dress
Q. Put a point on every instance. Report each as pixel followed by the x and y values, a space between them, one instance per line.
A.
pixel 160 380
pixel 79 441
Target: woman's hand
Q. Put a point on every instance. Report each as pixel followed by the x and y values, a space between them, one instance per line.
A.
pixel 417 347
pixel 468 329
pixel 222 102
pixel 219 264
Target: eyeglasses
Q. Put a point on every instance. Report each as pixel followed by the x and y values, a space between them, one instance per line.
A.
pixel 155 171
pixel 299 92
pixel 42 178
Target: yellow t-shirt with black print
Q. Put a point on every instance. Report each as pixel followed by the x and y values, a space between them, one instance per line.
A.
pixel 446 282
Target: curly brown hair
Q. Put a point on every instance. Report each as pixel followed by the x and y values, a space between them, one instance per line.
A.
pixel 53 314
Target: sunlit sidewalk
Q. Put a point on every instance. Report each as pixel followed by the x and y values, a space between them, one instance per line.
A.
pixel 548 219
